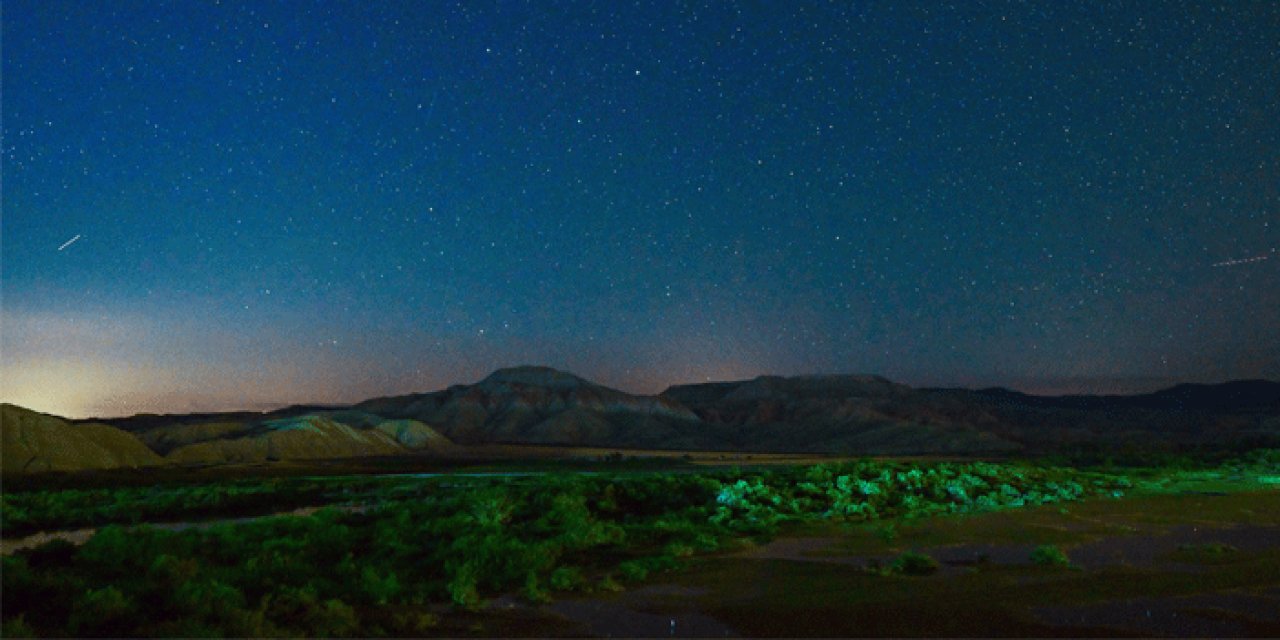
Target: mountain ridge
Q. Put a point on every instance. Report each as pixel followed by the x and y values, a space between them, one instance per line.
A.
pixel 140 419
pixel 856 414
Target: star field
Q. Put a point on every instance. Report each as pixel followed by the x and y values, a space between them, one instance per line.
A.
pixel 294 201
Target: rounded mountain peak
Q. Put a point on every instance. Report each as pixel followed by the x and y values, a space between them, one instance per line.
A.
pixel 534 376
pixel 823 385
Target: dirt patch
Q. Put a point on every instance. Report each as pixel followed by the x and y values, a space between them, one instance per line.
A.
pixel 954 559
pixel 1135 549
pixel 77 537
pixel 1156 550
pixel 1225 614
pixel 614 620
pixel 654 611
pixel 800 550
pixel 976 555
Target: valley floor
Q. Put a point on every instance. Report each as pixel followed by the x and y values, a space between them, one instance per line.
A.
pixel 1187 564
pixel 628 547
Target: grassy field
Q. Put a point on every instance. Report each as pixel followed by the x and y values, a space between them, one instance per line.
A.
pixel 867 547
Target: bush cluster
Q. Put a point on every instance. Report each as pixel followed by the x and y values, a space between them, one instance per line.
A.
pixel 1050 556
pixel 872 489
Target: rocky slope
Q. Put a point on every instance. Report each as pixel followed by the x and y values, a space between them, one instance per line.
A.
pixel 33 442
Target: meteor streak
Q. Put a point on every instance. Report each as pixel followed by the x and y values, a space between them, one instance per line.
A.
pixel 68 243
pixel 1232 263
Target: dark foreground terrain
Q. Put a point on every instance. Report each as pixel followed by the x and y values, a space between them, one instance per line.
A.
pixel 861 547
pixel 1180 565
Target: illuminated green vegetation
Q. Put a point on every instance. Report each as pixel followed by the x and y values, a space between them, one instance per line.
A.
pixel 1050 556
pixel 37 510
pixel 421 554
pixel 914 563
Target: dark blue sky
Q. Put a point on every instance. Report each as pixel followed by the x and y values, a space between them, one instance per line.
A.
pixel 299 201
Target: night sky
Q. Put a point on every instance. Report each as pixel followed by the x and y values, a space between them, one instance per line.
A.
pixel 271 203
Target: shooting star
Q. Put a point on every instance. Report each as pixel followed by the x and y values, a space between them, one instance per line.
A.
pixel 1232 263
pixel 68 243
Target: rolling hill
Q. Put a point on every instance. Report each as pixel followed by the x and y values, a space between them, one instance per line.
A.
pixel 312 437
pixel 33 442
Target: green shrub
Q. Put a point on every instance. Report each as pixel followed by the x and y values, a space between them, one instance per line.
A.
pixel 209 599
pixel 463 586
pixel 607 583
pixel 1050 556
pixel 334 619
pixel 16 628
pixel 16 574
pixel 887 533
pixel 102 612
pixel 1211 552
pixel 379 589
pixel 303 611
pixel 168 573
pixel 416 623
pixel 565 578
pixel 913 563
pixel 633 571
pixel 533 591
pixel 1211 548
pixel 706 542
pixel 678 550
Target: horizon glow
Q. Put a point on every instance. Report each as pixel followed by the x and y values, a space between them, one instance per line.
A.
pixel 271 204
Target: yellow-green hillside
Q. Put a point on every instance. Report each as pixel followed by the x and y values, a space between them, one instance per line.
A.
pixel 35 442
pixel 308 438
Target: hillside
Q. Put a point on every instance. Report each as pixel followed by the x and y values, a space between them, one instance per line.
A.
pixel 868 414
pixel 839 413
pixel 1236 415
pixel 1239 396
pixel 314 437
pixel 34 442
